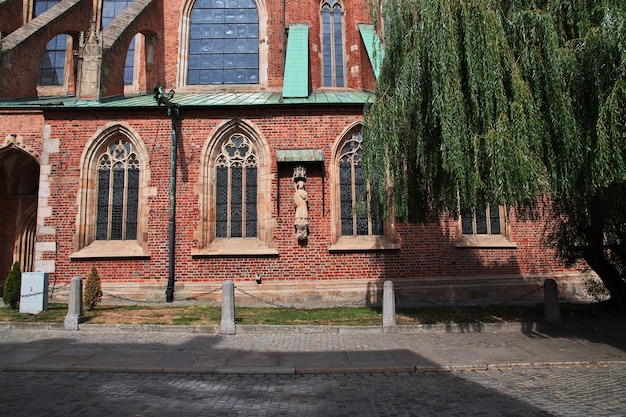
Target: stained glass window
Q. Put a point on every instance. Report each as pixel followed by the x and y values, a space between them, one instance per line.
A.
pixel 118 192
pixel 332 44
pixel 359 212
pixel 236 188
pixel 224 42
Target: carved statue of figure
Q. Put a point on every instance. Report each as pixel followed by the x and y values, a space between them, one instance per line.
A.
pixel 300 199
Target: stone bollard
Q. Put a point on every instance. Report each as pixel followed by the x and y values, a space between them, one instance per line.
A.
pixel 551 312
pixel 75 305
pixel 227 325
pixel 389 308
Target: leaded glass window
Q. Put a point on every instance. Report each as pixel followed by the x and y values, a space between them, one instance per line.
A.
pixel 224 42
pixel 110 10
pixel 236 188
pixel 118 192
pixel 332 44
pixel 360 214
pixel 52 67
pixel 482 221
pixel 41 6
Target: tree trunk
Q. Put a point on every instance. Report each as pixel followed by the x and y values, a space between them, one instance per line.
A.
pixel 595 257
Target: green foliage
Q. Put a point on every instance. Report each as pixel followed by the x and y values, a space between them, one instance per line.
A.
pixel 487 101
pixel 595 289
pixel 11 295
pixel 93 289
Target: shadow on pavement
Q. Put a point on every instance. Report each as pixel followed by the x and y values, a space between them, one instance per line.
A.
pixel 147 392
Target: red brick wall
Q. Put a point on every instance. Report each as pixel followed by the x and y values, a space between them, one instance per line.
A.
pixel 427 250
pixel 10 16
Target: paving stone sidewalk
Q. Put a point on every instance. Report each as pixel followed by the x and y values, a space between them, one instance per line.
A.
pixel 303 350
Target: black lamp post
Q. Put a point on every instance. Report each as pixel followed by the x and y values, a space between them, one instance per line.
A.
pixel 173 111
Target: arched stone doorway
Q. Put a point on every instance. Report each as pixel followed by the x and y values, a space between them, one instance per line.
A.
pixel 19 185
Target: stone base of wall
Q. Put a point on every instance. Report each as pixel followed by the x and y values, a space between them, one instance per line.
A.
pixel 431 291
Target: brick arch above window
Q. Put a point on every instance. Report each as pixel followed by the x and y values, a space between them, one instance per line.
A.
pixel 113 208
pixel 235 203
pixel 183 81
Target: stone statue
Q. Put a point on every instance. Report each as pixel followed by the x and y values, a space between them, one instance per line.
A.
pixel 301 202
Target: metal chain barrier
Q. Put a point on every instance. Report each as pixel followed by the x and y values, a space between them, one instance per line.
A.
pixel 50 291
pixel 270 303
pixel 179 301
pixel 361 301
pixel 354 303
pixel 500 303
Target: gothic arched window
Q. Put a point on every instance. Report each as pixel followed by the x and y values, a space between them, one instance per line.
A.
pixel 118 192
pixel 223 42
pixel 236 188
pixel 360 213
pixel 332 44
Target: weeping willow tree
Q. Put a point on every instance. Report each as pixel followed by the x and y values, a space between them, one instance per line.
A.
pixel 500 102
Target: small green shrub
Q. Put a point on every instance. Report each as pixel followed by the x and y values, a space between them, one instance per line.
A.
pixel 93 290
pixel 595 289
pixel 12 285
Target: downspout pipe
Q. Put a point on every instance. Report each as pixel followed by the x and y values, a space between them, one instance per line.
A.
pixel 173 110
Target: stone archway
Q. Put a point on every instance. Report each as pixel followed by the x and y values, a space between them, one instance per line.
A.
pixel 19 186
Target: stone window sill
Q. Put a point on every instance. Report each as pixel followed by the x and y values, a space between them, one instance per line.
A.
pixel 99 249
pixel 363 244
pixel 224 248
pixel 485 241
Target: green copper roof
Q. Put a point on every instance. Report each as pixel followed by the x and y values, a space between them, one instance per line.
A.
pixel 265 98
pixel 374 47
pixel 296 79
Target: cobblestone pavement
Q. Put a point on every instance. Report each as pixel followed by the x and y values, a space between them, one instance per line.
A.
pixel 515 392
pixel 273 353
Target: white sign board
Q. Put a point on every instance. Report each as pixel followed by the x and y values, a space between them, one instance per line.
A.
pixel 34 292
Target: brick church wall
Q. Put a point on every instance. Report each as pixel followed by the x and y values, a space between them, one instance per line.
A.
pixel 429 265
pixel 426 250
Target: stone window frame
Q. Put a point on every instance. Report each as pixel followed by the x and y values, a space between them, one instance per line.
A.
pixel 208 245
pixel 86 246
pixel 488 239
pixel 183 54
pixel 360 243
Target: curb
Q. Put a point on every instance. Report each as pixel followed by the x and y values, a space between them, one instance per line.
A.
pixel 292 329
pixel 524 327
pixel 286 370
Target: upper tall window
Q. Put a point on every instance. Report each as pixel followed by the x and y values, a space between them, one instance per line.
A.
pixel 110 10
pixel 224 42
pixel 359 212
pixel 52 67
pixel 332 44
pixel 118 192
pixel 236 188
